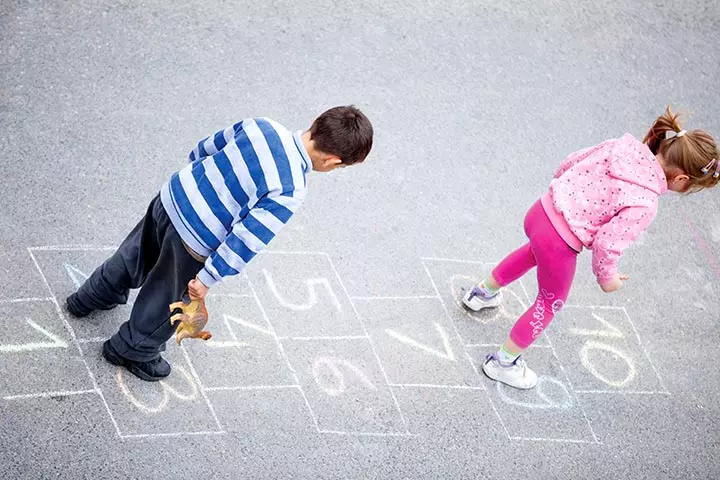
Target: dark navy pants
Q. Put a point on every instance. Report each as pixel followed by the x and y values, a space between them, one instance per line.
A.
pixel 154 259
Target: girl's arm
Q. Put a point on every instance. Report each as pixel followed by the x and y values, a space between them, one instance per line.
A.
pixel 614 237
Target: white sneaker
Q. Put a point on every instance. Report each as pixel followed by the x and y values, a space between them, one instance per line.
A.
pixel 517 374
pixel 474 301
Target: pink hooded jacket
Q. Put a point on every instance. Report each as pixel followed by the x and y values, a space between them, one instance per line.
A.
pixel 604 197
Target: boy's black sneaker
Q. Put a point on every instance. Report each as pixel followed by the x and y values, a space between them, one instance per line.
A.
pixel 150 371
pixel 76 307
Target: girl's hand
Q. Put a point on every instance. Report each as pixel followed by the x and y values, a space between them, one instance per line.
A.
pixel 196 290
pixel 615 284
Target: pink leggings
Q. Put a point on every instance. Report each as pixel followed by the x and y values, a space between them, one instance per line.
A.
pixel 555 262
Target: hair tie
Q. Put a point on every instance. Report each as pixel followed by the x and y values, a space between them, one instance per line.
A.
pixel 672 134
pixel 706 169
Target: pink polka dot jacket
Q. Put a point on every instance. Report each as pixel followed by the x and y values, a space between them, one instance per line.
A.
pixel 603 197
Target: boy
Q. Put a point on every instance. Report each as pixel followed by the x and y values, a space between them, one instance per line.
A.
pixel 210 219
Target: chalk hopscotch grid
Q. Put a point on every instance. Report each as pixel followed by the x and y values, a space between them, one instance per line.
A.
pixel 479 263
pixel 425 260
pixel 278 340
pixel 75 341
pixel 73 337
pixel 281 350
pixel 194 374
pixel 562 368
pixel 365 336
pixel 664 390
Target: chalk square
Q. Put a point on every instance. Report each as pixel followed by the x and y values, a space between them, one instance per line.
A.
pixel 601 350
pixel 276 411
pixel 345 386
pixel 450 413
pixel 65 270
pixel 303 296
pixel 38 353
pixel 172 405
pixel 489 326
pixel 243 350
pixel 550 411
pixel 417 331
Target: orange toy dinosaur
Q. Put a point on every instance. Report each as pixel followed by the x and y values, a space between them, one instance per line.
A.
pixel 192 320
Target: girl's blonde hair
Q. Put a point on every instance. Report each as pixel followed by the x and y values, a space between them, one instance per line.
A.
pixel 694 152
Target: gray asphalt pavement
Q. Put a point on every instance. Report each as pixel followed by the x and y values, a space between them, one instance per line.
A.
pixel 343 353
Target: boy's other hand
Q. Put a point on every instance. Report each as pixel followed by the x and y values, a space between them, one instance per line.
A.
pixel 196 290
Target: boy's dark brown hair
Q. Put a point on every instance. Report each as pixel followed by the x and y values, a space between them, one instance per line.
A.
pixel 694 152
pixel 343 131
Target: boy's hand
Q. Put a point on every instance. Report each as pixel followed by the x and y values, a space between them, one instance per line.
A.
pixel 615 284
pixel 196 290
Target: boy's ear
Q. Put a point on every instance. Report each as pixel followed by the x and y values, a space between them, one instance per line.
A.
pixel 332 161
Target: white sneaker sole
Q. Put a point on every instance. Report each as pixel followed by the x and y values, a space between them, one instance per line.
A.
pixel 516 377
pixel 478 303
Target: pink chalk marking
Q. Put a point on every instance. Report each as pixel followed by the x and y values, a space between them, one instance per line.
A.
pixel 704 247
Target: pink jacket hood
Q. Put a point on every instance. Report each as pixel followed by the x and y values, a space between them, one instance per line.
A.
pixel 604 197
pixel 641 169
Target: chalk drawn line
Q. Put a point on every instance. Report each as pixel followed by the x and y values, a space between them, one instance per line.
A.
pixel 73 336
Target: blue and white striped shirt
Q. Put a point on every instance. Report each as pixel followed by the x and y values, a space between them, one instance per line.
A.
pixel 240 189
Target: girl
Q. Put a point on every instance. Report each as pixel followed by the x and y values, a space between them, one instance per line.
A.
pixel 601 198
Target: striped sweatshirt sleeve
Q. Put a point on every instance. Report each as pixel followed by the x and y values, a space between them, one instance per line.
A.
pixel 249 236
pixel 212 144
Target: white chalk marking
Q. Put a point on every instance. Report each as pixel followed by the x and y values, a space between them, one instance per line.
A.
pixel 333 365
pixel 93 340
pixel 408 297
pixel 281 351
pixel 249 325
pixel 312 293
pixel 647 355
pixel 498 345
pixel 372 344
pixel 562 369
pixel 624 392
pixel 56 342
pixel 175 434
pixel 341 337
pixel 271 329
pixel 251 387
pixel 467 354
pixel 71 248
pixel 557 440
pixel 77 276
pixel 428 385
pixel 202 388
pixel 610 331
pixel 546 402
pixel 32 299
pixel 49 394
pixel 585 360
pixel 369 434
pixel 446 355
pixel 456 260
pixel 73 336
pixel 167 391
